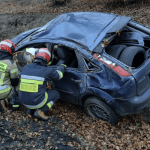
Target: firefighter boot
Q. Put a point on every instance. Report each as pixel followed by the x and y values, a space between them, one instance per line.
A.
pixel 2 105
pixel 40 115
pixel 15 107
pixel 30 111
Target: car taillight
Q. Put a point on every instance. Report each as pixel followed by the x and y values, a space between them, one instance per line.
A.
pixel 112 65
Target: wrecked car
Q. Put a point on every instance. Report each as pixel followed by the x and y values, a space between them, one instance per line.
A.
pixel 108 61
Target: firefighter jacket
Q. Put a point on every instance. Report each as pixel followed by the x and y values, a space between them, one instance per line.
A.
pixel 34 78
pixel 8 74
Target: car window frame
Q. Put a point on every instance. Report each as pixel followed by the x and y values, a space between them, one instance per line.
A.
pixel 87 68
pixel 80 63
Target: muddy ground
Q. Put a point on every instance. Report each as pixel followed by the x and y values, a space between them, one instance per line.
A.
pixel 69 127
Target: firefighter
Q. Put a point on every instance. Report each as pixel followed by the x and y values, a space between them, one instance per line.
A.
pixel 8 74
pixel 34 78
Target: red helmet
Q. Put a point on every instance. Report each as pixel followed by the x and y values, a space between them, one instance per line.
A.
pixel 7 45
pixel 44 53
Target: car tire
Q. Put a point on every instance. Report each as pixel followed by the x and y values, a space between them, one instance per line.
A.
pixel 133 56
pixel 96 108
pixel 115 50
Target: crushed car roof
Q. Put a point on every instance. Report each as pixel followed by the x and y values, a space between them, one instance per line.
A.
pixel 81 29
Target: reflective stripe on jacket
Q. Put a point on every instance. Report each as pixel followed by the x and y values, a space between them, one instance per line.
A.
pixel 34 78
pixel 8 69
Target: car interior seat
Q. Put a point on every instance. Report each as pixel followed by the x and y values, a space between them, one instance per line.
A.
pixel 74 63
pixel 64 55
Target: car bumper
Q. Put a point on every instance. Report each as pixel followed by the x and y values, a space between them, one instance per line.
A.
pixel 135 104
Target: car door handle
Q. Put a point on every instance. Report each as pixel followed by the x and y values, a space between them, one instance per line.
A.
pixel 75 81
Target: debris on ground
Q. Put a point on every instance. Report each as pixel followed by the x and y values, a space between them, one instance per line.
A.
pixel 69 127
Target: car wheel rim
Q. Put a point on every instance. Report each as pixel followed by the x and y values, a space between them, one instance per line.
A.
pixel 99 112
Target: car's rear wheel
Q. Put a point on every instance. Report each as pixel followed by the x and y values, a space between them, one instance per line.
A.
pixel 115 50
pixel 133 56
pixel 96 108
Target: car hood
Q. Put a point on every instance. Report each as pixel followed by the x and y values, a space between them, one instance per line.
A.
pixel 79 29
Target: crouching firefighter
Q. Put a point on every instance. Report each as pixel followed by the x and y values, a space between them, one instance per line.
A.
pixel 34 77
pixel 9 78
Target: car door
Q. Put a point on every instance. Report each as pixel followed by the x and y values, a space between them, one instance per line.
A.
pixel 73 83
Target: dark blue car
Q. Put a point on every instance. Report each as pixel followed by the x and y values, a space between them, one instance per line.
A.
pixel 108 61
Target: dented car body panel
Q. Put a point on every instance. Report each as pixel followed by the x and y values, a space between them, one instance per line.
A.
pixel 74 84
pixel 75 26
pixel 88 33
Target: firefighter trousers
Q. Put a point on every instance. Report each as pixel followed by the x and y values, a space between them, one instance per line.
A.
pixel 53 96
